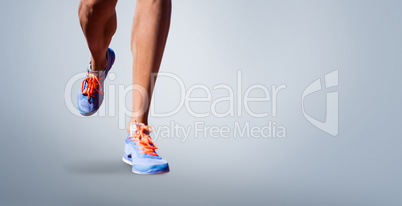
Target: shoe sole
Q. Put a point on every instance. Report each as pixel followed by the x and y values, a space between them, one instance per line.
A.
pixel 127 161
pixel 143 173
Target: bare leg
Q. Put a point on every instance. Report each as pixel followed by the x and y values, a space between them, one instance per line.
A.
pixel 148 38
pixel 98 22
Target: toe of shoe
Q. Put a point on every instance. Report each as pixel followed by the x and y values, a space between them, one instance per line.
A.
pixel 85 107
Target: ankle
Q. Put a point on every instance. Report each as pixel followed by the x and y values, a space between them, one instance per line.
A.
pixel 98 65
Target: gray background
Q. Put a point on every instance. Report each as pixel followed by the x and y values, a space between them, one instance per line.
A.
pixel 49 156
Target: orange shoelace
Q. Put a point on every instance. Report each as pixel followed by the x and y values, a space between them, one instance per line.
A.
pixel 142 136
pixel 92 85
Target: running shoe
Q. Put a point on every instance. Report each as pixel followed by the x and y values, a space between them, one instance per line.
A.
pixel 90 96
pixel 140 152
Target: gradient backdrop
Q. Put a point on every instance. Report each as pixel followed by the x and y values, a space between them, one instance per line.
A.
pixel 49 156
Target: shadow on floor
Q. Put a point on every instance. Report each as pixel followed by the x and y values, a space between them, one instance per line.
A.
pixel 98 167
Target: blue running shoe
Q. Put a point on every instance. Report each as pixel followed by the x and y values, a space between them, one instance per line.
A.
pixel 140 152
pixel 90 97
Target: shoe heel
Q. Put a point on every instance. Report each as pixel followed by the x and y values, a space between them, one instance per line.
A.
pixel 126 160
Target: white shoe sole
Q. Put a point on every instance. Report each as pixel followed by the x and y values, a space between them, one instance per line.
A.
pixel 127 162
pixel 141 173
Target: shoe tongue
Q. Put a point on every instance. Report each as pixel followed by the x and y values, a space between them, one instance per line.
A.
pixel 133 129
pixel 98 74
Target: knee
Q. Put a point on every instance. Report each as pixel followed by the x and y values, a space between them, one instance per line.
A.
pixel 98 9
